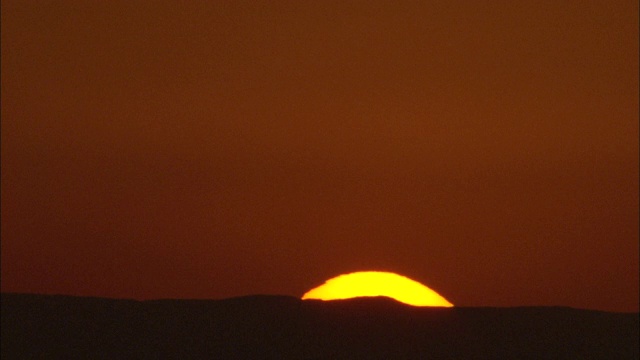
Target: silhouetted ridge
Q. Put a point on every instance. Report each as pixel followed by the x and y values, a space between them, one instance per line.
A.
pixel 284 327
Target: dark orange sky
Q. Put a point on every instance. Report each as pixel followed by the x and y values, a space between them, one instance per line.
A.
pixel 216 149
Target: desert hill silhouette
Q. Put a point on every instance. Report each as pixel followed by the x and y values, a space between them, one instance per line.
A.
pixel 283 327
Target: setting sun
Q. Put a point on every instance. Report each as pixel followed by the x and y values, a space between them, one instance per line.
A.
pixel 376 283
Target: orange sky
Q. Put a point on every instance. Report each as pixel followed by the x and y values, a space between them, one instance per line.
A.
pixel 183 150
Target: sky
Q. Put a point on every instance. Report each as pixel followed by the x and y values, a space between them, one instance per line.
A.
pixel 165 149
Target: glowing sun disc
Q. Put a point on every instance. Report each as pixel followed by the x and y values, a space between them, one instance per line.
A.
pixel 377 283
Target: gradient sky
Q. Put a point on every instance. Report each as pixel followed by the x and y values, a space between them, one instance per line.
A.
pixel 223 148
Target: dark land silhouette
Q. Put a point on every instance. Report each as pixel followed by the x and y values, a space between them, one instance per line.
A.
pixel 282 327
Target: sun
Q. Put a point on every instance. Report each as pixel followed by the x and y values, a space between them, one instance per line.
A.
pixel 377 283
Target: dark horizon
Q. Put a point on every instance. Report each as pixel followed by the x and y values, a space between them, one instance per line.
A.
pixel 292 297
pixel 286 327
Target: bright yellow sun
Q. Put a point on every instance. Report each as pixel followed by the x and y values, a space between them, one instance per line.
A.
pixel 377 283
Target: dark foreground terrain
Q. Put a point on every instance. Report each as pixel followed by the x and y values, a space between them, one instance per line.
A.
pixel 280 327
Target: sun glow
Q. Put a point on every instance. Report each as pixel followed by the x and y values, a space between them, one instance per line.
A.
pixel 376 283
